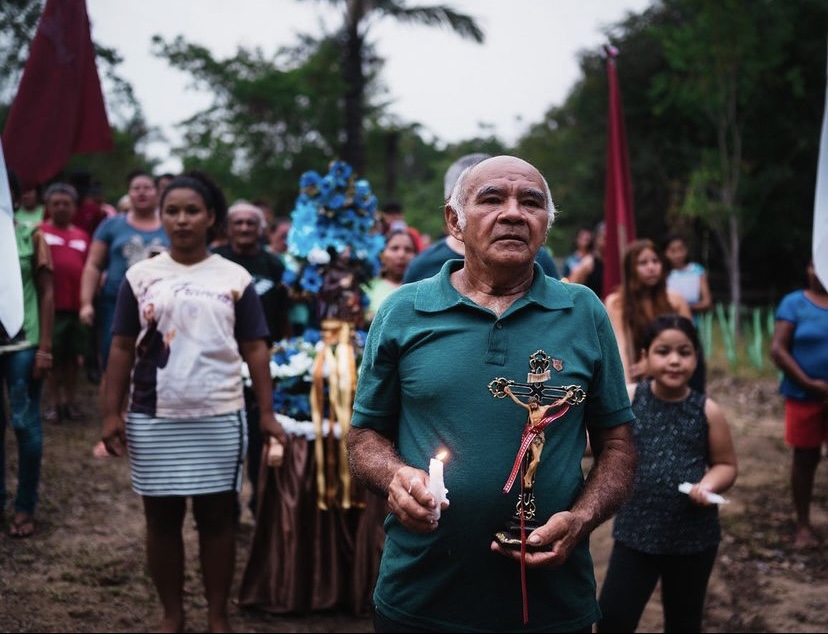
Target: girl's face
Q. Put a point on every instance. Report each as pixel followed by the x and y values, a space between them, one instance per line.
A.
pixel 648 267
pixel 671 359
pixel 676 253
pixel 398 252
pixel 186 219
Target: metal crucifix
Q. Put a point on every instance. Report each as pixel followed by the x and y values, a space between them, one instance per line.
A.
pixel 540 415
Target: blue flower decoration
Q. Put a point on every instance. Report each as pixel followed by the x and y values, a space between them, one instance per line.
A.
pixel 333 228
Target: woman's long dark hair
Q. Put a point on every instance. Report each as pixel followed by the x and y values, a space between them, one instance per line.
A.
pixel 636 314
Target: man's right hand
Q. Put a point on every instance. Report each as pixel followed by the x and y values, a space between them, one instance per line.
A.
pixel 411 502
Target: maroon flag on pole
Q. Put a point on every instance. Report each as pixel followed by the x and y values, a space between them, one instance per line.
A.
pixel 618 208
pixel 59 108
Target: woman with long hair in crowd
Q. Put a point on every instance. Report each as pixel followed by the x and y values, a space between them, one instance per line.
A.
pixel 641 297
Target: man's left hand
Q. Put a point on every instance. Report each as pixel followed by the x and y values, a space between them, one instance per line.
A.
pixel 559 535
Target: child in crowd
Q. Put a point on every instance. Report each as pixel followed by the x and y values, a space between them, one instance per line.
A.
pixel 681 436
pixel 686 277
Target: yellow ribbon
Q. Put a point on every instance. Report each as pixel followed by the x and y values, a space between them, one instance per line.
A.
pixel 336 356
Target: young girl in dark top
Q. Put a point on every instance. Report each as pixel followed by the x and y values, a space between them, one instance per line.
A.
pixel 681 436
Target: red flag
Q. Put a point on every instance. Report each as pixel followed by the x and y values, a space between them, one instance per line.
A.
pixel 59 108
pixel 618 208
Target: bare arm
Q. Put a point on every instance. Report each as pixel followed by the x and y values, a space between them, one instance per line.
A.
pixel 679 304
pixel 118 370
pixel 511 395
pixel 582 271
pixel 257 356
pixel 615 313
pixel 376 464
pixel 608 485
pixel 705 302
pixel 723 466
pixel 44 282
pixel 610 480
pixel 780 352
pixel 91 279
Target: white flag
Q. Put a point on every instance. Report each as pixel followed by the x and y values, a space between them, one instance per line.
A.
pixel 11 286
pixel 819 245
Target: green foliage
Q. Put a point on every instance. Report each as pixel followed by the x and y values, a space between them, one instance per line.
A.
pixel 723 106
pixel 727 330
pixel 358 17
pixel 271 117
pixel 747 357
pixel 19 20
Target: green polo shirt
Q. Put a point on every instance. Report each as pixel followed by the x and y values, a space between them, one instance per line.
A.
pixel 429 357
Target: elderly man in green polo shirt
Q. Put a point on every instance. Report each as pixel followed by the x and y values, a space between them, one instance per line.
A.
pixel 445 360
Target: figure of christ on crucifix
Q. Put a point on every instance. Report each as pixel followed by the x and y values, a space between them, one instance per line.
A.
pixel 533 437
pixel 536 414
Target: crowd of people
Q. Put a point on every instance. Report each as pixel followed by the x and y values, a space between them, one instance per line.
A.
pixel 168 293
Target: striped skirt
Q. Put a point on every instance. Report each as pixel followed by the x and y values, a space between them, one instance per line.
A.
pixel 182 456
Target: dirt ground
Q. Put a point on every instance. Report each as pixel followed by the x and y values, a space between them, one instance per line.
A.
pixel 84 569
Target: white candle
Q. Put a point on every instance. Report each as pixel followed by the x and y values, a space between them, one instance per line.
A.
pixel 436 485
pixel 713 498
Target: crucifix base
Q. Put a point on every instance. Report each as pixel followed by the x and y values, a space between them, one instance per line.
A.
pixel 510 536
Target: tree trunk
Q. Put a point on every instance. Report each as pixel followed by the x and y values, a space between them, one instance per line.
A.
pixel 353 151
pixel 392 163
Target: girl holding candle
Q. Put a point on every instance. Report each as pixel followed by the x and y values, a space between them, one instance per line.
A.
pixel 681 436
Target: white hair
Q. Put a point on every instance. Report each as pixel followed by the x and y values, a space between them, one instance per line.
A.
pixel 457 168
pixel 61 188
pixel 460 196
pixel 243 205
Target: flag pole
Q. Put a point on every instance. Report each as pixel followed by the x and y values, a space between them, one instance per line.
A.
pixel 618 207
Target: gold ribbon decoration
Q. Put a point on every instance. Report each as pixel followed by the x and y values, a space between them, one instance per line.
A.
pixel 335 362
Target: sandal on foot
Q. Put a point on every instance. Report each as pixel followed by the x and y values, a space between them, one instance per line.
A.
pixel 23 526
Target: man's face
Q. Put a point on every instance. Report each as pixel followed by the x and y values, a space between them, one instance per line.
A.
pixel 28 199
pixel 142 194
pixel 277 238
pixel 506 213
pixel 243 229
pixel 60 209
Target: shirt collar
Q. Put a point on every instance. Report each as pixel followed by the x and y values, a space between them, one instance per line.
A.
pixel 436 294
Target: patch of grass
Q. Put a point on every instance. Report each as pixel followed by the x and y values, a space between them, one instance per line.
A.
pixel 741 355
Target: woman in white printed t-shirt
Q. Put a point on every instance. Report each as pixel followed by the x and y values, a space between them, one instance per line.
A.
pixel 184 320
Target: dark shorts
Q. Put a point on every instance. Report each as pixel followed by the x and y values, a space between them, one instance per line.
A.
pixel 806 423
pixel 69 336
